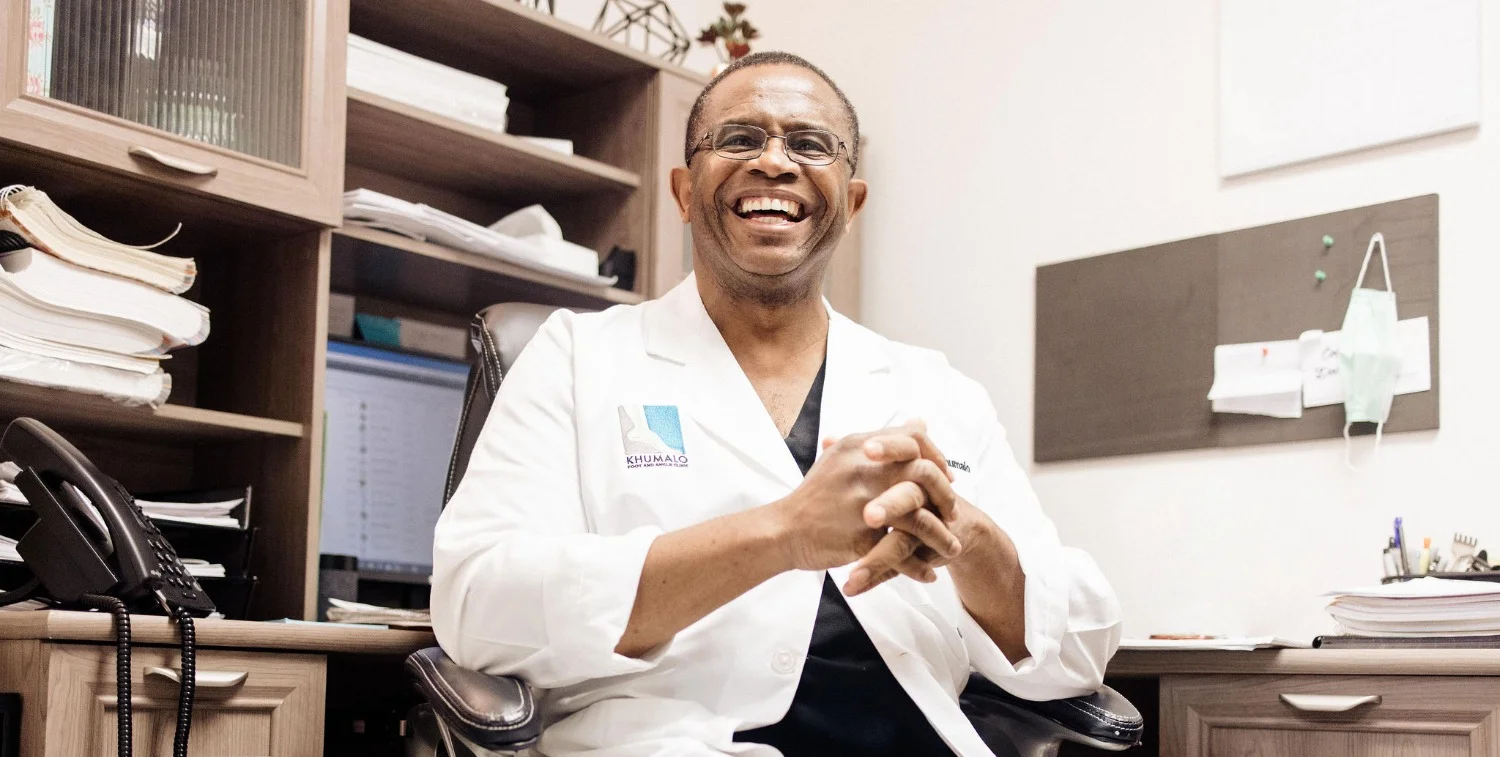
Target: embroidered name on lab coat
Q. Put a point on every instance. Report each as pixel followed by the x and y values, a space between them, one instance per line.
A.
pixel 652 436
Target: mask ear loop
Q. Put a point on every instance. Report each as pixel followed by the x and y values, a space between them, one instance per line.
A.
pixel 1385 265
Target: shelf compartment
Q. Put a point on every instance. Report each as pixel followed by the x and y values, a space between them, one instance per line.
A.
pixel 390 266
pixel 421 146
pixel 72 410
pixel 532 53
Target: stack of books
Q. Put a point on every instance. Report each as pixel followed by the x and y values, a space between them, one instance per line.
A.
pixel 1426 612
pixel 82 312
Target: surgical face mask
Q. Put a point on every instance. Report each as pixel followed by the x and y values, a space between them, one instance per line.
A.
pixel 1369 351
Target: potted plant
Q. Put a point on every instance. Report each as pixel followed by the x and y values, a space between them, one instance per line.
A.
pixel 730 35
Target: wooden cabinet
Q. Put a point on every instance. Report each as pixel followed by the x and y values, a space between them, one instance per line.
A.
pixel 1330 716
pixel 239 99
pixel 248 703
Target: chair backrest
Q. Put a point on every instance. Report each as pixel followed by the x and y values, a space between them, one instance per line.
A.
pixel 499 333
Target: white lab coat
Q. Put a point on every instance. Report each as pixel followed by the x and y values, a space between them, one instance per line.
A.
pixel 539 553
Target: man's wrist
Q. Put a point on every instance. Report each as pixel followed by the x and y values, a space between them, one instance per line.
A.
pixel 770 528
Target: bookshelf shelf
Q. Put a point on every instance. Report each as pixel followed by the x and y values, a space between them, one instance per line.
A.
pixel 394 267
pixel 71 410
pixel 441 152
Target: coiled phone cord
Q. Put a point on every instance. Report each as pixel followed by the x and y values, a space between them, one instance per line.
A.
pixel 189 682
pixel 122 664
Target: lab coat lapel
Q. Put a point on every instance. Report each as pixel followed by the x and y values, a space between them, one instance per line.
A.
pixel 715 392
pixel 859 389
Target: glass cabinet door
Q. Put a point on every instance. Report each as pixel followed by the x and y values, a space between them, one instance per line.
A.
pixel 231 97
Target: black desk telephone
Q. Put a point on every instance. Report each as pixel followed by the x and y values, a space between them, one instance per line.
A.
pixel 92 546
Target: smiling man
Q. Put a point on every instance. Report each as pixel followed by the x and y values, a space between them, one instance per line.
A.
pixel 732 521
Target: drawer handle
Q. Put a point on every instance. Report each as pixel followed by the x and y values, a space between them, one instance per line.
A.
pixel 1328 702
pixel 173 162
pixel 205 679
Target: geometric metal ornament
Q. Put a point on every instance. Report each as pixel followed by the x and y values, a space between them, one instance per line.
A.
pixel 648 25
pixel 541 5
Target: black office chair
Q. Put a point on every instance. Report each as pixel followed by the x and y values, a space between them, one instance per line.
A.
pixel 501 714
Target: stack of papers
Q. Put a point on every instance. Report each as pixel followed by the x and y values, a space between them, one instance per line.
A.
pixel 202 568
pixel 199 513
pixel 1419 608
pixel 81 312
pixel 423 84
pixel 364 207
pixel 8 551
pixel 344 611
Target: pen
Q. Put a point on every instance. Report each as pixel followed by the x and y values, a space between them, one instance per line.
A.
pixel 1401 549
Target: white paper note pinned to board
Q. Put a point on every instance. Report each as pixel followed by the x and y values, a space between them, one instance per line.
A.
pixel 1258 378
pixel 1321 384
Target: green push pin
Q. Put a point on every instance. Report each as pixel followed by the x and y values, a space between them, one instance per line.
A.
pixel 1327 241
pixel 1321 276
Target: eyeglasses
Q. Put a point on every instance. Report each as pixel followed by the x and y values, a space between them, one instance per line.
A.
pixel 810 147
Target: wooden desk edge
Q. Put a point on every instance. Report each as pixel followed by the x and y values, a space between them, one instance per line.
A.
pixel 1450 662
pixel 58 625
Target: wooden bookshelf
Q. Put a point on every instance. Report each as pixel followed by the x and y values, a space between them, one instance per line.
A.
pixel 71 410
pixel 423 146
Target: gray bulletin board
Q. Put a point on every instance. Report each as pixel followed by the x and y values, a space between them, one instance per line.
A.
pixel 1125 341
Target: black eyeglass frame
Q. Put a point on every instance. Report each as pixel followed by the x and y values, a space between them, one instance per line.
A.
pixel 843 147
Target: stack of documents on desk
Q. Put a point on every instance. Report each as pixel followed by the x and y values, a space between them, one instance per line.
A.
pixel 1420 608
pixel 8 551
pixel 364 207
pixel 214 514
pixel 344 611
pixel 423 84
pixel 82 312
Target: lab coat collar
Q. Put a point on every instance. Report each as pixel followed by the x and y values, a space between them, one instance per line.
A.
pixel 858 387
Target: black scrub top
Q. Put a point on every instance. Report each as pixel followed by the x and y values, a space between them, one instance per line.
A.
pixel 847 702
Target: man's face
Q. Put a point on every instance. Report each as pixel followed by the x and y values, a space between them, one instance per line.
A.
pixel 764 255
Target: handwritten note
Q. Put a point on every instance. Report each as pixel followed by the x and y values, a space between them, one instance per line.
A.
pixel 1321 383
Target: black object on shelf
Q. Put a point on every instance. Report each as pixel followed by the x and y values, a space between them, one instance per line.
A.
pixel 10 725
pixel 338 578
pixel 231 595
pixel 620 263
pixel 1474 575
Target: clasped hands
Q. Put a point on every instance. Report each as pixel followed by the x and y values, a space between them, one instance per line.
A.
pixel 883 498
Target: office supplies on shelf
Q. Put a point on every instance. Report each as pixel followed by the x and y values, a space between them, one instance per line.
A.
pixel 28 213
pixel 619 264
pixel 8 551
pixel 212 514
pixel 412 334
pixel 535 225
pixel 1428 606
pixel 391 423
pixel 364 207
pixel 344 611
pixel 1233 643
pixel 427 85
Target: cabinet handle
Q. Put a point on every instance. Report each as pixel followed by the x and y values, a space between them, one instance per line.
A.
pixel 173 162
pixel 1328 702
pixel 205 679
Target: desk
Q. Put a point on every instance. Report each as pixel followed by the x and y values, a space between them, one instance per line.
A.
pixel 1427 702
pixel 309 689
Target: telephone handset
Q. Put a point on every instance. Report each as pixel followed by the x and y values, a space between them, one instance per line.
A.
pixel 90 536
pixel 92 546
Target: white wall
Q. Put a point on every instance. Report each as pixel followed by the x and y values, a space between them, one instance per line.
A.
pixel 1010 134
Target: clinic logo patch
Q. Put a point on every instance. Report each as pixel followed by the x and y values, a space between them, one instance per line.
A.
pixel 652 435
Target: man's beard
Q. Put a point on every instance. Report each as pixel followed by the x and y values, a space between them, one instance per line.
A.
pixel 797 285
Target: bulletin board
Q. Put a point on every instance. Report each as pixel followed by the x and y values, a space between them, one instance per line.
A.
pixel 1125 341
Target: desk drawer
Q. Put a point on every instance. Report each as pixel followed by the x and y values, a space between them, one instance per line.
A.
pixel 1330 716
pixel 275 711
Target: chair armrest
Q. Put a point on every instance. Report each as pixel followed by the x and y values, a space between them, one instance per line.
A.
pixel 1104 719
pixel 493 712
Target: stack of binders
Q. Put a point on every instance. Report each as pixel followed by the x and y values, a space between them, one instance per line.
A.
pixel 82 312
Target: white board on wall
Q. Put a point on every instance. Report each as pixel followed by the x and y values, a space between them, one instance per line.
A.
pixel 1305 79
